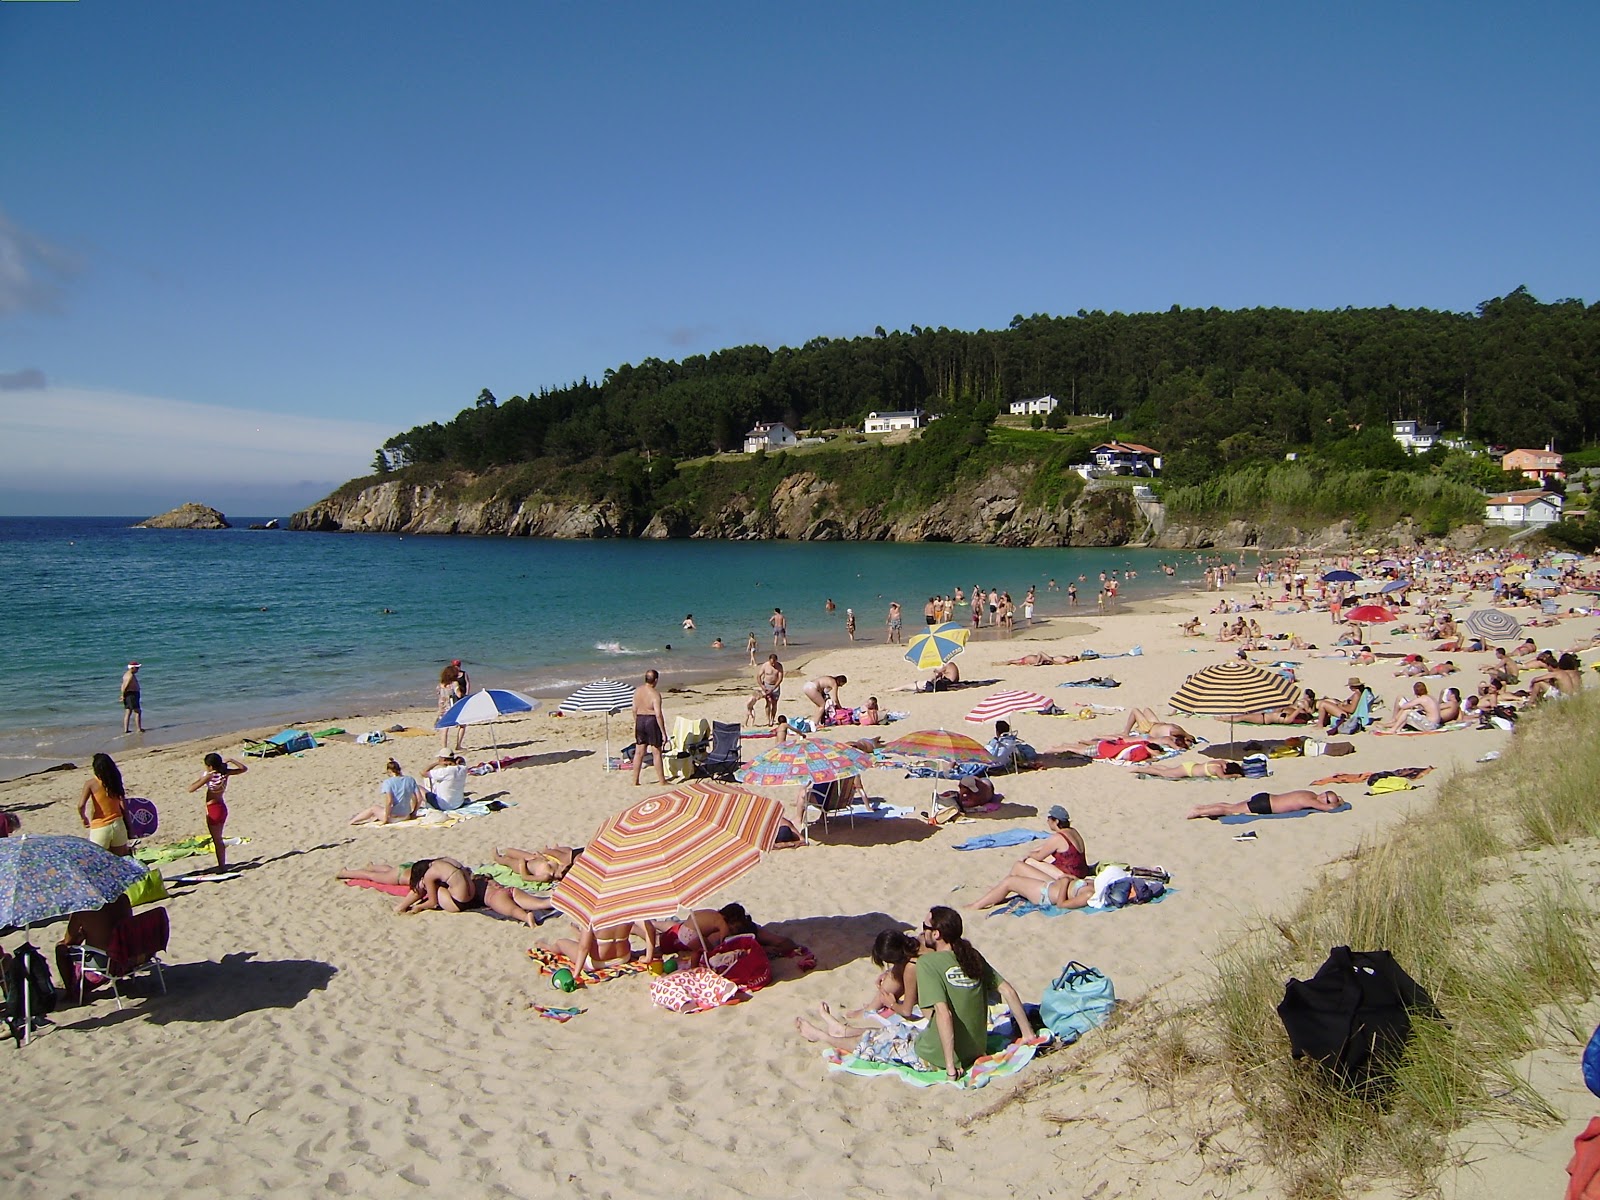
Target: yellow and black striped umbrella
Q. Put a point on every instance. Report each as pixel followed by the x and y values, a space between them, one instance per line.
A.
pixel 1234 687
pixel 665 854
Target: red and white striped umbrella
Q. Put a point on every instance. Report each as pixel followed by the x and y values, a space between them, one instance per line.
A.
pixel 1003 704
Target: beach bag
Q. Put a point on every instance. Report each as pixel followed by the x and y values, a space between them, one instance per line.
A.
pixel 1255 766
pixel 1353 1016
pixel 30 988
pixel 1591 1062
pixel 1080 998
pixel 692 990
pixel 1380 784
pixel 148 890
pixel 742 961
pixel 1134 890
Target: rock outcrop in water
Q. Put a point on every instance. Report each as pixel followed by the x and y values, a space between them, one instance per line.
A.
pixel 187 516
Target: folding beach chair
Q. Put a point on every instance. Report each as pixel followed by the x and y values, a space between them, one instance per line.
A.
pixel 135 945
pixel 1360 718
pixel 724 756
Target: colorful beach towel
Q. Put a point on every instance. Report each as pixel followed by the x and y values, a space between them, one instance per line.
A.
pixel 554 1014
pixel 549 964
pixel 1018 907
pixel 1364 776
pixel 199 843
pixel 503 874
pixel 1002 1059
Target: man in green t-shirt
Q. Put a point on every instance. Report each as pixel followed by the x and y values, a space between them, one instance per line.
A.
pixel 953 985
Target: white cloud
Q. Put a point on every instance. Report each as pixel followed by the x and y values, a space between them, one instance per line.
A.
pixel 62 440
pixel 32 270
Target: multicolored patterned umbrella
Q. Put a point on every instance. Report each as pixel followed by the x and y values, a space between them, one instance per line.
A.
pixel 1369 614
pixel 809 760
pixel 939 743
pixel 937 646
pixel 665 854
pixel 1002 704
pixel 1492 625
pixel 49 875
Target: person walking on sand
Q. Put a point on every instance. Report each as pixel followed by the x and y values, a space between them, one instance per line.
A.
pixel 769 688
pixel 453 685
pixel 649 726
pixel 215 781
pixel 104 794
pixel 131 712
pixel 894 623
pixel 780 627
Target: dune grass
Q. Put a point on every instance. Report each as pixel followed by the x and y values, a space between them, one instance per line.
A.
pixel 1473 904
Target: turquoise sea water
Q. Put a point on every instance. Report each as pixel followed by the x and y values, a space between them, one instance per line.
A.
pixel 244 628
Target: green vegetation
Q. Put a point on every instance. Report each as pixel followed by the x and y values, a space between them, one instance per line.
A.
pixel 1473 899
pixel 1298 490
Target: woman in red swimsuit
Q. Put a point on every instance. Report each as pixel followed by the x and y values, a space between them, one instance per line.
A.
pixel 215 782
pixel 1049 869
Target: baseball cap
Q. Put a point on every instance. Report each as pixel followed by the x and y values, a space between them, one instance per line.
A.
pixel 455 662
pixel 133 666
pixel 1058 813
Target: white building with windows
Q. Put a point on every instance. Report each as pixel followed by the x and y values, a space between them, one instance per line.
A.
pixel 1523 508
pixel 769 435
pixel 889 422
pixel 1038 406
pixel 1416 437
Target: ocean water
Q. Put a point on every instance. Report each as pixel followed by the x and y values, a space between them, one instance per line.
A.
pixel 243 628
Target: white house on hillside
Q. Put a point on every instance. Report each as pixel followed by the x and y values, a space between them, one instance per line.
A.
pixel 1523 508
pixel 1416 437
pixel 888 422
pixel 769 435
pixel 1041 405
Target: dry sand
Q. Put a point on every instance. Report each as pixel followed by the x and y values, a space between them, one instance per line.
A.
pixel 312 1042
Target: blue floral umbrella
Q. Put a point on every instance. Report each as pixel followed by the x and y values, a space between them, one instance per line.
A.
pixel 43 876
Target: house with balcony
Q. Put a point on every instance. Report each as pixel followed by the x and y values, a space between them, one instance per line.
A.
pixel 1415 437
pixel 1523 508
pixel 769 435
pixel 1543 465
pixel 1041 406
pixel 1126 458
pixel 889 422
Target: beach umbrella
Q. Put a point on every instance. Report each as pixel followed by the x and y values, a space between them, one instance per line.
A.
pixel 1341 576
pixel 1388 564
pixel 665 854
pixel 1566 556
pixel 1003 704
pixel 937 646
pixel 1493 625
pixel 1541 583
pixel 607 696
pixel 484 707
pixel 1229 688
pixel 1370 614
pixel 49 875
pixel 1516 569
pixel 808 760
pixel 939 743
pixel 1395 585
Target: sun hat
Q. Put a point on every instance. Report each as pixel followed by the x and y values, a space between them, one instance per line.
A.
pixel 1353 681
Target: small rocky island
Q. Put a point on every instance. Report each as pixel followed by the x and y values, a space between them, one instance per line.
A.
pixel 187 516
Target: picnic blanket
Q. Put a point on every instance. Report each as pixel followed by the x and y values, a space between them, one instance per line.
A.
pixel 1006 837
pixel 1002 1059
pixel 549 963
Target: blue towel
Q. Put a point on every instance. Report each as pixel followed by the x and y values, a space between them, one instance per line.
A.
pixel 1244 818
pixel 1018 907
pixel 1007 837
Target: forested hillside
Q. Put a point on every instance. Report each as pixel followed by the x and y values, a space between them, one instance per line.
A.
pixel 1214 390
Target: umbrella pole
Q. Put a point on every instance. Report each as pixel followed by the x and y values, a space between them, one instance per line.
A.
pixel 494 738
pixel 605 763
pixel 705 950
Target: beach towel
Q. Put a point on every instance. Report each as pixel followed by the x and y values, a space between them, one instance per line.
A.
pixel 1094 681
pixel 172 851
pixel 1245 818
pixel 432 818
pixel 956 771
pixel 1006 837
pixel 1364 776
pixel 1454 725
pixel 1018 907
pixel 1131 652
pixel 394 889
pixel 871 812
pixel 555 1014
pixel 1169 752
pixel 503 874
pixel 1002 1059
pixel 549 964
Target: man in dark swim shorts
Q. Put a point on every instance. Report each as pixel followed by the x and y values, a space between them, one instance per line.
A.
pixel 1266 804
pixel 649 726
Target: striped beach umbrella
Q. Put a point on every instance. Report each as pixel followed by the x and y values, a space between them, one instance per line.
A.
pixel 1227 689
pixel 606 696
pixel 1003 704
pixel 1370 614
pixel 937 646
pixel 1493 625
pixel 938 743
pixel 666 854
pixel 808 760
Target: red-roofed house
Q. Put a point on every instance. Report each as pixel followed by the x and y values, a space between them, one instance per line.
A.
pixel 1127 458
pixel 1523 508
pixel 1535 464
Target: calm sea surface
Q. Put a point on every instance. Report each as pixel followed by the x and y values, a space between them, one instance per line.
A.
pixel 244 628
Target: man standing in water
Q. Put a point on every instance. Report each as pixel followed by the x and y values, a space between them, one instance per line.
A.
pixel 894 622
pixel 780 627
pixel 131 711
pixel 649 726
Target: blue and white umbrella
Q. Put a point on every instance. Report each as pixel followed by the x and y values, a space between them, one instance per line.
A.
pixel 1395 585
pixel 485 707
pixel 607 696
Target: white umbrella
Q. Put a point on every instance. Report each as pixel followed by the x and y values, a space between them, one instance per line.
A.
pixel 607 696
pixel 485 707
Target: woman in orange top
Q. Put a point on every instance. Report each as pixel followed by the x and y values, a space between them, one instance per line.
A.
pixel 107 827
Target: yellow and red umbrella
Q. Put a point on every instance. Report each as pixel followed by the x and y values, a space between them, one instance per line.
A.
pixel 665 854
pixel 939 743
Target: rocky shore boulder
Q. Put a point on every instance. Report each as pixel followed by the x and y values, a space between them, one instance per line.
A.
pixel 187 516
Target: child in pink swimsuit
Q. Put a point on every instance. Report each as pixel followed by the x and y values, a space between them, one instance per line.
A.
pixel 215 782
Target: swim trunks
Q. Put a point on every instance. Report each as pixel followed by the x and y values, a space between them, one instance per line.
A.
pixel 647 730
pixel 130 700
pixel 1260 804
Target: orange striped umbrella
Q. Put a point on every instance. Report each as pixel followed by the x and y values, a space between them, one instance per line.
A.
pixel 665 854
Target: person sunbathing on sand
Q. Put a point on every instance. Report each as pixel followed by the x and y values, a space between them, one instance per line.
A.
pixel 447 885
pixel 1059 859
pixel 1210 768
pixel 1147 723
pixel 1264 804
pixel 614 943
pixel 538 866
pixel 1042 660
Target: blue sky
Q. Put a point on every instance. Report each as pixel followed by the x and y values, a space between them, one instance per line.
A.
pixel 243 243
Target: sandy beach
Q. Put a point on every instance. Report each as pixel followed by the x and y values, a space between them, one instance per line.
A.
pixel 311 1041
